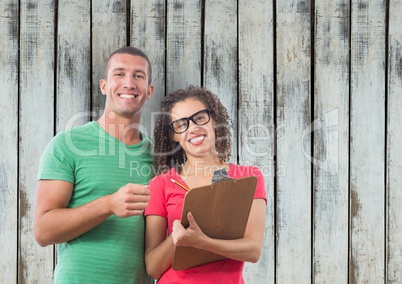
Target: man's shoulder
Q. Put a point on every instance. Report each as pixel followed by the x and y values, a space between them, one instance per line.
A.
pixel 85 130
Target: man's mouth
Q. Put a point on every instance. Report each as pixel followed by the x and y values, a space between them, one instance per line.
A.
pixel 127 96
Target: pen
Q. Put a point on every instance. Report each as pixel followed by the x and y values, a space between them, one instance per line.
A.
pixel 179 184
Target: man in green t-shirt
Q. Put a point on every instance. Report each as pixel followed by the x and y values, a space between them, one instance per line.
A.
pixel 92 183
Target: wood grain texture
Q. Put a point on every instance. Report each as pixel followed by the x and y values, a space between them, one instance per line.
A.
pixel 325 154
pixel 109 32
pixel 331 142
pixel 220 58
pixel 256 117
pixel 184 44
pixel 36 125
pixel 148 32
pixel 73 93
pixel 394 146
pixel 293 45
pixel 8 140
pixel 367 145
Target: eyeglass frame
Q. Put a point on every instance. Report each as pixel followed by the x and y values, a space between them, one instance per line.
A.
pixel 187 119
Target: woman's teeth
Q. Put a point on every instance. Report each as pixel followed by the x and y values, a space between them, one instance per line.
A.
pixel 197 139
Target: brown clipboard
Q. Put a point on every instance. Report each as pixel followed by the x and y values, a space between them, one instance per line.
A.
pixel 221 210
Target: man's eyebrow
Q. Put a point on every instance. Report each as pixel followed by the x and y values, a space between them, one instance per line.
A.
pixel 118 69
pixel 124 69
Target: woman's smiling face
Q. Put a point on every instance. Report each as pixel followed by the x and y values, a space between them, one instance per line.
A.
pixel 197 140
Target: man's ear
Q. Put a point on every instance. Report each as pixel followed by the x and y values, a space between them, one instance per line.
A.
pixel 150 91
pixel 102 86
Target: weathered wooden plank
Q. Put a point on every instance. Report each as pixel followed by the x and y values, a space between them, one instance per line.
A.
pixel 73 94
pixel 331 142
pixel 293 117
pixel 8 140
pixel 374 245
pixel 36 122
pixel 367 147
pixel 220 57
pixel 256 116
pixel 394 146
pixel 184 44
pixel 148 22
pixel 109 32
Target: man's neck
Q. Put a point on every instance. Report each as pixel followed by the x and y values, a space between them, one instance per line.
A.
pixel 123 129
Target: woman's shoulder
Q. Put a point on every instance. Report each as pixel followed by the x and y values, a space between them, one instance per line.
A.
pixel 238 171
pixel 165 176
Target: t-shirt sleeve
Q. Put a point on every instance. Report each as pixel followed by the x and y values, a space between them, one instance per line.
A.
pixel 57 161
pixel 156 205
pixel 260 191
pixel 241 171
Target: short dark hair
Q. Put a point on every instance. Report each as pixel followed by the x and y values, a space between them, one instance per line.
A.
pixel 169 154
pixel 134 51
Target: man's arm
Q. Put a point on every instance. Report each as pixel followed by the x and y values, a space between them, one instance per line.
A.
pixel 54 223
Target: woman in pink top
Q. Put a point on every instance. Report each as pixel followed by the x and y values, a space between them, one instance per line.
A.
pixel 191 141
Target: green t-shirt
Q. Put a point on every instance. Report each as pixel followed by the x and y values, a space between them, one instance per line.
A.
pixel 98 164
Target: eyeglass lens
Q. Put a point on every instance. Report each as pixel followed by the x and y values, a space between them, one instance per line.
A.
pixel 199 118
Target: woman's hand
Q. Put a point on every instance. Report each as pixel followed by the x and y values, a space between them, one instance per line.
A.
pixel 192 236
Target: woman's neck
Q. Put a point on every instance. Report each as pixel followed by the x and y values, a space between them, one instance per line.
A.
pixel 202 167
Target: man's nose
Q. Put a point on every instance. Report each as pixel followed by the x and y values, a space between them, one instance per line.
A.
pixel 129 82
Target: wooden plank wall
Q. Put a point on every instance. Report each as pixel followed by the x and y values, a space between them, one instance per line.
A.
pixel 313 89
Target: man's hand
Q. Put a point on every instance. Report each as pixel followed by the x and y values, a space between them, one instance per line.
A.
pixel 129 200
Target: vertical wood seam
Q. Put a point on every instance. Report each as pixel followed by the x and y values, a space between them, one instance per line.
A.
pixel 91 74
pixel 237 82
pixel 202 51
pixel 386 85
pixel 128 22
pixel 312 140
pixel 350 270
pixel 18 144
pixel 275 150
pixel 55 55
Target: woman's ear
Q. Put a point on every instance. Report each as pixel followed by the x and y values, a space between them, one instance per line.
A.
pixel 175 138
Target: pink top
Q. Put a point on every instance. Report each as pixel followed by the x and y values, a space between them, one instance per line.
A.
pixel 167 201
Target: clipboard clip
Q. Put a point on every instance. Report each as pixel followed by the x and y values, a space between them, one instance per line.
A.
pixel 220 175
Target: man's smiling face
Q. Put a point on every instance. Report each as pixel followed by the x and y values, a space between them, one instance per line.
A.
pixel 126 86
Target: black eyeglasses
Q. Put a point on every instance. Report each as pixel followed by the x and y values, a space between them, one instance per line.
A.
pixel 199 118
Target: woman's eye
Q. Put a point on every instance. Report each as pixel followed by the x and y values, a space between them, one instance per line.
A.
pixel 200 118
pixel 182 125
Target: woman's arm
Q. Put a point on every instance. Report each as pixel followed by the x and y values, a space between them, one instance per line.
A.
pixel 246 249
pixel 159 250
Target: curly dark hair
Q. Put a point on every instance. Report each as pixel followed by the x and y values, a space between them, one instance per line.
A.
pixel 168 153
